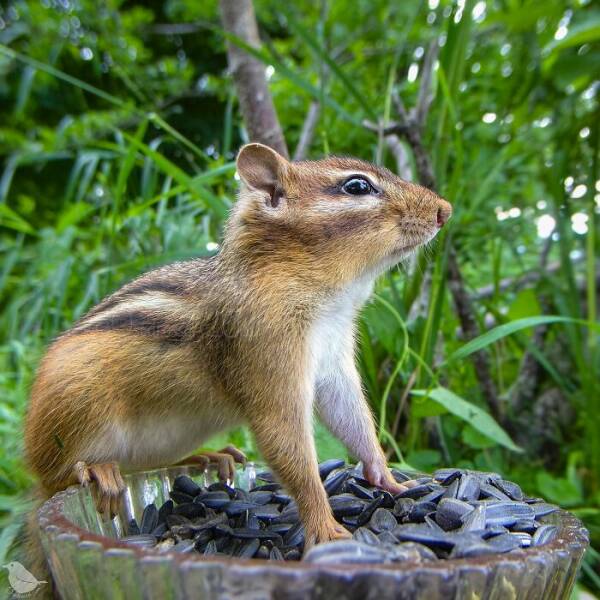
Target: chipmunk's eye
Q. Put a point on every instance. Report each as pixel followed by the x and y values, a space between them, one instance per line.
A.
pixel 357 186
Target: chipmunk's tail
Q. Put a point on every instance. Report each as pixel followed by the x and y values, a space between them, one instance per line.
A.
pixel 33 558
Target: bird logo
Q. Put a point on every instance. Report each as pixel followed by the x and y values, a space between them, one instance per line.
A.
pixel 20 579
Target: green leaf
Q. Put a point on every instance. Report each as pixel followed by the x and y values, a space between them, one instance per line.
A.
pixel 384 327
pixel 424 460
pixel 524 305
pixel 7 537
pixel 472 414
pixel 502 331
pixel 12 220
pixel 127 165
pixel 558 489
pixel 475 439
pixel 426 407
pixel 73 214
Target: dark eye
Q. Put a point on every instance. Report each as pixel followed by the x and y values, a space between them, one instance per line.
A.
pixel 357 186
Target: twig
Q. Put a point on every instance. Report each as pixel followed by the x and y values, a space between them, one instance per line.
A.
pixel 425 94
pixel 401 110
pixel 394 144
pixel 398 150
pixel 308 130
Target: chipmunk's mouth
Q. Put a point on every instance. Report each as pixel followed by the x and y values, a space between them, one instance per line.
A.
pixel 408 248
pixel 403 252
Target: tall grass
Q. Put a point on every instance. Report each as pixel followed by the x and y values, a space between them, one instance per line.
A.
pixel 139 193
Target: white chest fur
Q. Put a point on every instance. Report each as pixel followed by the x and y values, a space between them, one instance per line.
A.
pixel 331 338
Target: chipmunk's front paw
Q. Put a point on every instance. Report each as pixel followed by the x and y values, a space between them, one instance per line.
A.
pixel 109 485
pixel 325 532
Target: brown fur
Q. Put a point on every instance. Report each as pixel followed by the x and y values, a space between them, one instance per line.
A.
pixel 225 340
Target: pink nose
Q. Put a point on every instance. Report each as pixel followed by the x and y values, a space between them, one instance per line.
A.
pixel 444 212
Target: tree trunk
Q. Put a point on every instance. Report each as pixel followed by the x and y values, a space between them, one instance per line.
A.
pixel 249 76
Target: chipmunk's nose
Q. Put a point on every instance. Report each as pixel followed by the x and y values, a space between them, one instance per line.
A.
pixel 444 212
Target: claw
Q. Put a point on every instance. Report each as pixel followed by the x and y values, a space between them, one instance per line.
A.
pixel 326 532
pixel 109 485
pixel 381 476
pixel 238 455
pixel 82 473
pixel 224 460
pixel 411 483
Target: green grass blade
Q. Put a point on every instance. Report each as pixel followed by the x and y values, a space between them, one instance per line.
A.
pixel 12 220
pixel 399 363
pixel 268 59
pixel 323 55
pixel 502 331
pixel 36 64
pixel 160 122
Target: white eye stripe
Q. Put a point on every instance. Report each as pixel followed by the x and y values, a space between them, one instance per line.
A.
pixel 348 203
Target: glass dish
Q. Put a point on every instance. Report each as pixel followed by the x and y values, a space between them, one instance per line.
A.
pixel 88 560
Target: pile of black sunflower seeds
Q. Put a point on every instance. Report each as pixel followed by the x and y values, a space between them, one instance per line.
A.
pixel 454 513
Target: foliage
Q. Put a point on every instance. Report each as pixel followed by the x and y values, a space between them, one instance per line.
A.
pixel 118 127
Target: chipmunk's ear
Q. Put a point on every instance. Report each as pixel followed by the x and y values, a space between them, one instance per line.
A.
pixel 260 167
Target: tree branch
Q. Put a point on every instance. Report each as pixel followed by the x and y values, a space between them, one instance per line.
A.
pixel 248 74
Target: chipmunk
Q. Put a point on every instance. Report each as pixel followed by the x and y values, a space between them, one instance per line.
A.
pixel 261 333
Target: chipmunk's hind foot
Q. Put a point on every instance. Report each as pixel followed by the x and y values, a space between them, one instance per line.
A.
pixel 224 460
pixel 109 487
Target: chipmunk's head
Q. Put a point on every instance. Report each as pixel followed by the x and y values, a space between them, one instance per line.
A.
pixel 342 216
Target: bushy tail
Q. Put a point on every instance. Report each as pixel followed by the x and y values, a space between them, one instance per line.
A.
pixel 33 558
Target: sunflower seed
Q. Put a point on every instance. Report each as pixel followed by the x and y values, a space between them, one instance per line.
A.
pixel 541 509
pixel 451 512
pixel 382 520
pixel 142 540
pixel 328 466
pixel 366 536
pixel 420 510
pixel 544 534
pixel 457 513
pixel 215 499
pixel 248 548
pixel 149 519
pixel 186 485
pixel 261 497
pixel 295 535
pixel 334 482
